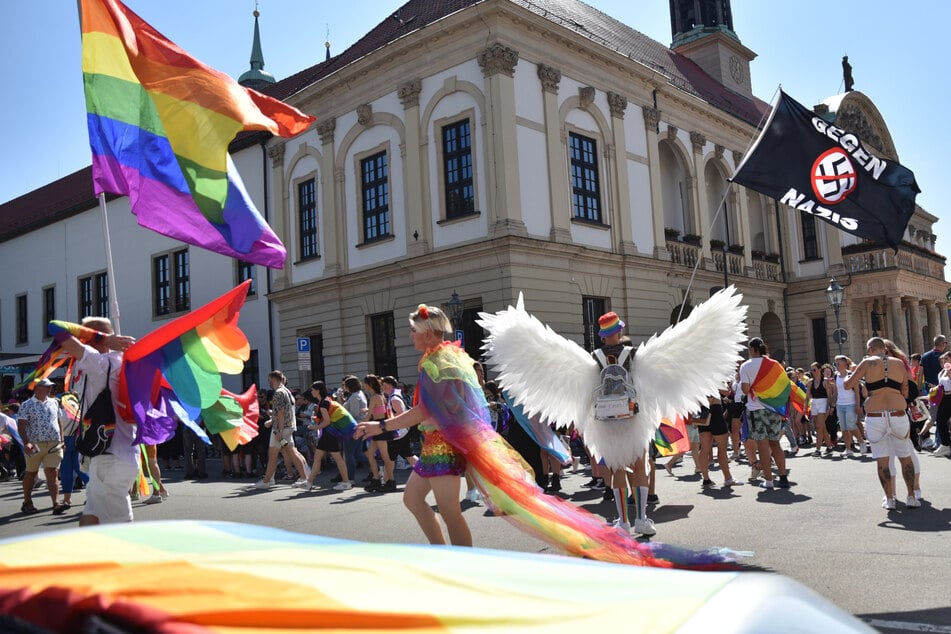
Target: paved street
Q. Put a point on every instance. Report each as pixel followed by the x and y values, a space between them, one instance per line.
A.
pixel 828 531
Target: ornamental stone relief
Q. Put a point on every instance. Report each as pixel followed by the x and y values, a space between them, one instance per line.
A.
pixel 498 59
pixel 550 77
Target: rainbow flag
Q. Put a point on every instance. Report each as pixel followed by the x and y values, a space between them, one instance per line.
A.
pixel 797 398
pixel 772 386
pixel 160 123
pixel 671 437
pixel 342 424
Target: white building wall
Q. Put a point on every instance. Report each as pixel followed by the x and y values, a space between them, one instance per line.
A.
pixel 642 219
pixel 534 192
pixel 529 103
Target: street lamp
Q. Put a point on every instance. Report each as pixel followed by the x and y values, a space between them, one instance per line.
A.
pixel 835 294
pixel 455 309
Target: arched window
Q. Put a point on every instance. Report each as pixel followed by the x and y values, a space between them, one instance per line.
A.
pixel 675 190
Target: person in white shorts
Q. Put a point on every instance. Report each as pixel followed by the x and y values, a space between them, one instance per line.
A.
pixel 111 473
pixel 886 419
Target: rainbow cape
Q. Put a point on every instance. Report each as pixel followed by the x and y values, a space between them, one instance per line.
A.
pixel 175 371
pixel 671 436
pixel 772 386
pixel 450 394
pixel 160 123
pixel 342 424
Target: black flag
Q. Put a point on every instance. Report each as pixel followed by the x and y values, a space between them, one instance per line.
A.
pixel 805 162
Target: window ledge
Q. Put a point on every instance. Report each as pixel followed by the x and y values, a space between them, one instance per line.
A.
pixel 469 215
pixel 170 315
pixel 815 259
pixel 369 243
pixel 312 258
pixel 590 223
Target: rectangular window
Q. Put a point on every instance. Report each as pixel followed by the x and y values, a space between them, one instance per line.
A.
pixel 246 271
pixel 49 309
pixel 102 294
pixel 171 283
pixel 376 197
pixel 23 333
pixel 249 374
pixel 94 295
pixel 592 308
pixel 810 239
pixel 457 169
pixel 307 215
pixel 585 187
pixel 383 334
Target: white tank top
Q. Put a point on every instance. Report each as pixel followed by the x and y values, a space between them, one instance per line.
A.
pixel 845 397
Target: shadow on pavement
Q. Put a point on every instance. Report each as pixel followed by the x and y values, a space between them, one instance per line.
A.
pixel 925 519
pixel 931 620
pixel 780 496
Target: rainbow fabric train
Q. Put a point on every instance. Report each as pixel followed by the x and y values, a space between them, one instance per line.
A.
pixel 450 393
pixel 342 424
pixel 160 123
pixel 772 386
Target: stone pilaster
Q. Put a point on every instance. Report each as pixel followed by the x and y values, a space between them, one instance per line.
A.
pixel 550 78
pixel 497 59
pixel 623 234
pixel 332 223
pixel 897 325
pixel 418 224
pixel 652 127
pixel 556 147
pixel 408 93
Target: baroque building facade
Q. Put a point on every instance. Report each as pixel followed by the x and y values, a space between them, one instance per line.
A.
pixel 466 152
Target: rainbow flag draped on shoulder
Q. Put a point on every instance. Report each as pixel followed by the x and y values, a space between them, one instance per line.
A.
pixel 772 386
pixel 160 123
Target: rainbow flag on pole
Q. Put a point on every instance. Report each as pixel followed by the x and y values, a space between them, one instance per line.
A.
pixel 160 123
pixel 797 398
pixel 671 436
pixel 772 386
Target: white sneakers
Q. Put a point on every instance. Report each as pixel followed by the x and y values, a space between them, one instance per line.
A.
pixel 644 527
pixel 943 450
pixel 912 502
pixel 473 495
pixel 155 498
pixel 343 486
pixel 299 483
pixel 261 484
pixel 888 504
pixel 624 526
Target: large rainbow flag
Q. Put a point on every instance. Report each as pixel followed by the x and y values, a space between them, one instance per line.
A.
pixel 160 123
pixel 772 386
pixel 797 397
pixel 204 577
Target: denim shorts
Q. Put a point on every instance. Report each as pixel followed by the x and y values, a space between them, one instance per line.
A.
pixel 848 419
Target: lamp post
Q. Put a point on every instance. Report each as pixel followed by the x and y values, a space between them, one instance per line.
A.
pixel 835 294
pixel 455 309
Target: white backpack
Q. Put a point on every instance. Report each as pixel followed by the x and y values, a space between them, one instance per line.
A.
pixel 615 398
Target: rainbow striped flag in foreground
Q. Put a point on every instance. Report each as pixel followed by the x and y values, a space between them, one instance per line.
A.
pixel 160 123
pixel 797 398
pixel 772 386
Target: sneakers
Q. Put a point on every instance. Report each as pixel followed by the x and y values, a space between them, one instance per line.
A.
pixel 608 495
pixel 599 484
pixel 375 486
pixel 473 495
pixel 624 526
pixel 299 483
pixel 389 487
pixel 555 484
pixel 155 498
pixel 730 483
pixel 307 486
pixel 943 450
pixel 783 482
pixel 707 484
pixel 912 502
pixel 593 482
pixel 261 484
pixel 888 504
pixel 918 493
pixel 866 450
pixel 644 527
pixel 343 486
pixel 767 484
pixel 848 454
pixel 652 498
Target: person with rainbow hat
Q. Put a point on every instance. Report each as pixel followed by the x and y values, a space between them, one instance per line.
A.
pixel 614 351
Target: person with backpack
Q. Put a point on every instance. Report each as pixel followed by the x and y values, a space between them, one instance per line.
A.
pixel 113 471
pixel 614 358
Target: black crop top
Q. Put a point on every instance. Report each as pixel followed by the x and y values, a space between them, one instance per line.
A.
pixel 818 392
pixel 885 382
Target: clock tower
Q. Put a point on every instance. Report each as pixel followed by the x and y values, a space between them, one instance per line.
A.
pixel 703 32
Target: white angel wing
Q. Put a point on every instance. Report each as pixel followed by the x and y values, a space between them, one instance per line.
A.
pixel 676 370
pixel 542 371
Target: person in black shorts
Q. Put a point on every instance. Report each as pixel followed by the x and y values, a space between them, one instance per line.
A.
pixel 714 431
pixel 328 443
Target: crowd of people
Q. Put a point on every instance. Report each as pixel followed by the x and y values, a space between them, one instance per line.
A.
pixel 889 405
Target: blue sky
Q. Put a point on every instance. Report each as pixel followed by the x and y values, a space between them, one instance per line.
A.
pixel 895 52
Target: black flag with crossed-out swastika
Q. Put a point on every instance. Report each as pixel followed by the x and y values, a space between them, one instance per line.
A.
pixel 805 162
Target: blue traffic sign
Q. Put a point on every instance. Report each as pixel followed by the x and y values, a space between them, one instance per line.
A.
pixel 303 344
pixel 461 338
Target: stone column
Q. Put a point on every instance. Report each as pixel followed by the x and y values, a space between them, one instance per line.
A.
pixel 558 184
pixel 934 323
pixel 498 66
pixel 279 215
pixel 915 344
pixel 417 224
pixel 943 319
pixel 651 121
pixel 699 191
pixel 329 209
pixel 897 326
pixel 624 238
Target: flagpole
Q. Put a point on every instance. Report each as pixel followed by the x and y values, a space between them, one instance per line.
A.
pixel 110 270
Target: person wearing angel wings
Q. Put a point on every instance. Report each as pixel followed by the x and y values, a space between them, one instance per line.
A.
pixel 616 396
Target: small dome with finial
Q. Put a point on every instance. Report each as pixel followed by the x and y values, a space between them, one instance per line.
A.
pixel 256 77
